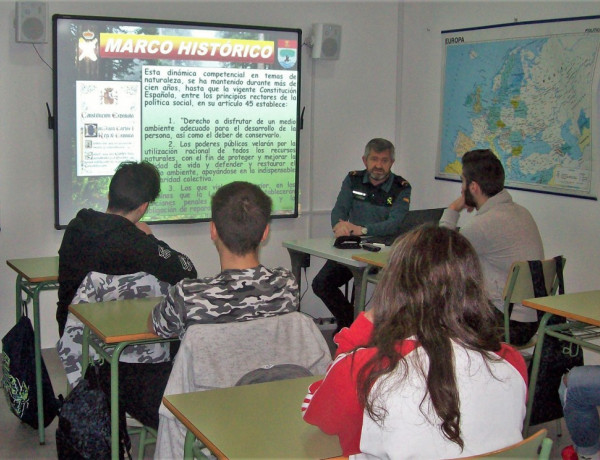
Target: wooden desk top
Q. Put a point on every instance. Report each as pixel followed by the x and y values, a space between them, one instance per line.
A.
pixel 119 320
pixel 254 421
pixel 36 269
pixel 376 259
pixel 579 306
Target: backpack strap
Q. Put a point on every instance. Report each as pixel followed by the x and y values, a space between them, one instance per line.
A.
pixel 537 278
pixel 559 274
pixel 539 285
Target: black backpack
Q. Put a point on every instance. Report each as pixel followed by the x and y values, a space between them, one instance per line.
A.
pixel 84 423
pixel 18 376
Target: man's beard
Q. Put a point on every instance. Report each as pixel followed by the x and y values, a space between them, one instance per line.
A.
pixel 378 176
pixel 469 200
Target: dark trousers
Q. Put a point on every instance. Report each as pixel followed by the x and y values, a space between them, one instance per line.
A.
pixel 326 285
pixel 520 333
pixel 141 388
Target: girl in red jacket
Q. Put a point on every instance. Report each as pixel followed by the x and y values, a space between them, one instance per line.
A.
pixel 423 374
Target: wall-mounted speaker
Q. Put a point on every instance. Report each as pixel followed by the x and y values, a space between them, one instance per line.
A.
pixel 327 40
pixel 30 22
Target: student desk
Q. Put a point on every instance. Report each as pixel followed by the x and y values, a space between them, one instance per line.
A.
pixel 323 247
pixel 582 311
pixel 117 324
pixel 33 276
pixel 252 421
pixel 373 259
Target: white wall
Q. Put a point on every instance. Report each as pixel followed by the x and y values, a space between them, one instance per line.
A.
pixel 569 226
pixel 347 101
pixel 386 83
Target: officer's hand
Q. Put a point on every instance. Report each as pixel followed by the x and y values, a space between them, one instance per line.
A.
pixel 341 228
pixel 354 229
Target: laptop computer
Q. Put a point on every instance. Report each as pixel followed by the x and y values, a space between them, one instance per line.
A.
pixel 413 219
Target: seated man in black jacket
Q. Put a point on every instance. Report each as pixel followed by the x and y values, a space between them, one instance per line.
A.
pixel 115 242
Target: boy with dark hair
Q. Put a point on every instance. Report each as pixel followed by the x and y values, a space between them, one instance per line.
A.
pixel 240 320
pixel 133 184
pixel 483 167
pixel 115 242
pixel 245 289
pixel 240 213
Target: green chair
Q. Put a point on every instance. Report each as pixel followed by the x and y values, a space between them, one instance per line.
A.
pixel 519 286
pixel 147 437
pixel 535 447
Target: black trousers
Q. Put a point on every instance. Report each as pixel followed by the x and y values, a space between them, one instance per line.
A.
pixel 520 333
pixel 141 388
pixel 326 285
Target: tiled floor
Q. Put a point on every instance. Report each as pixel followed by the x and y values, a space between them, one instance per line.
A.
pixel 19 441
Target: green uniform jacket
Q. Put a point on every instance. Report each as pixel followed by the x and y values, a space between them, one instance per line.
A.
pixel 380 209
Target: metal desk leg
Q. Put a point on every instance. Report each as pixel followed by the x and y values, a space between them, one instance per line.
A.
pixel 18 298
pixel 535 369
pixel 114 386
pixel 114 399
pixel 85 350
pixel 360 288
pixel 38 363
pixel 361 298
pixel 296 259
pixel 188 447
pixel 20 288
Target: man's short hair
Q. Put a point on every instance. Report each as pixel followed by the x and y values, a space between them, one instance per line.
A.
pixel 241 212
pixel 483 167
pixel 379 145
pixel 132 185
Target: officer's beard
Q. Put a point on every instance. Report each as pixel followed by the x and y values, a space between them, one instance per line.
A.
pixel 378 176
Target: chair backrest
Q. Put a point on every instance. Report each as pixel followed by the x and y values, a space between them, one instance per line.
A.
pixel 535 447
pixel 273 373
pixel 519 285
pixel 219 355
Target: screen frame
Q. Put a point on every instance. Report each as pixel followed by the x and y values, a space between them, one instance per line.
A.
pixel 166 23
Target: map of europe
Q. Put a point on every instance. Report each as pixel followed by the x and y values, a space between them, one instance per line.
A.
pixel 531 101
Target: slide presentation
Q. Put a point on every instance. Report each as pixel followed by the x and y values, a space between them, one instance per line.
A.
pixel 207 104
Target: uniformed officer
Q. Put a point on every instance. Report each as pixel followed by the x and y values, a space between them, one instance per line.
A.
pixel 371 202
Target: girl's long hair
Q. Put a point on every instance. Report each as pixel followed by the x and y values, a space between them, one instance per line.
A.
pixel 432 289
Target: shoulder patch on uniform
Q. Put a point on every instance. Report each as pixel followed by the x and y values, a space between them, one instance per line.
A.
pixel 406 199
pixel 401 181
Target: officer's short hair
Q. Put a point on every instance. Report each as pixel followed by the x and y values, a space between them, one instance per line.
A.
pixel 132 185
pixel 379 145
pixel 241 212
pixel 483 167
